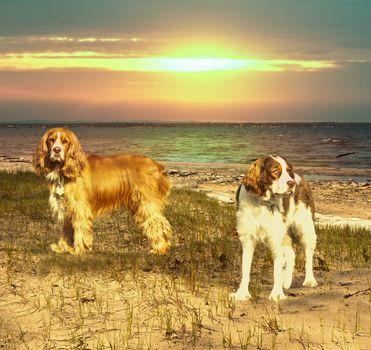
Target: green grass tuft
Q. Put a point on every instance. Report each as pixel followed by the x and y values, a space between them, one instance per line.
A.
pixel 23 193
pixel 345 246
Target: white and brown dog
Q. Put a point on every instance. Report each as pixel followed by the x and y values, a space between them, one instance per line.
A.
pixel 275 206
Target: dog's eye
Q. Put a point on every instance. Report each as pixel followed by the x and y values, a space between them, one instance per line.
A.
pixel 275 172
pixel 65 142
pixel 51 140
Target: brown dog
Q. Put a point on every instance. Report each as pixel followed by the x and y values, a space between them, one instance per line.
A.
pixel 83 187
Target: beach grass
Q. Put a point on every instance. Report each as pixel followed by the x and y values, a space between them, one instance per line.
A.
pixel 122 296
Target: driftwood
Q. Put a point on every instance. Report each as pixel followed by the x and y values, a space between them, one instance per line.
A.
pixel 345 154
pixel 12 159
pixel 358 292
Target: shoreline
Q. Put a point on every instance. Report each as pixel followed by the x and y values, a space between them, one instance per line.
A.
pixel 303 170
pixel 339 197
pixel 24 163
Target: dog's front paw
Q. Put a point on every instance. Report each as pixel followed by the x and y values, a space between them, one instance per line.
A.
pixel 310 282
pixel 56 248
pixel 77 251
pixel 161 248
pixel 240 295
pixel 62 247
pixel 277 296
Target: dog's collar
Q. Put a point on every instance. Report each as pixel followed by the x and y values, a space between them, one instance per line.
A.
pixel 273 205
pixel 59 188
pixel 57 180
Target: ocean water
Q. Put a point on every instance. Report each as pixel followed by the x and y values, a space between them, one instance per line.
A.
pixel 304 144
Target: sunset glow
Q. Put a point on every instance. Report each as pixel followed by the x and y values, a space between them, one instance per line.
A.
pixel 93 60
pixel 184 60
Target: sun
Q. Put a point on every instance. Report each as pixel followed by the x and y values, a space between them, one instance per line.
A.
pixel 198 57
pixel 197 64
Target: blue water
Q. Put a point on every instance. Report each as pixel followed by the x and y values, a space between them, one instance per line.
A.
pixel 308 144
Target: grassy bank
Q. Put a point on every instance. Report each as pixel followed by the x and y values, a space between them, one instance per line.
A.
pixel 121 296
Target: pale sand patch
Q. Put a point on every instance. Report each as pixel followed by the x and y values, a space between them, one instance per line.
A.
pixel 12 164
pixel 326 220
pixel 321 219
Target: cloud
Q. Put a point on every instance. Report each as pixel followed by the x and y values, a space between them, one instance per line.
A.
pixel 123 62
pixel 131 46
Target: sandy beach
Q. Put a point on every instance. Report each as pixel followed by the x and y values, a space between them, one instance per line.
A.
pixel 120 294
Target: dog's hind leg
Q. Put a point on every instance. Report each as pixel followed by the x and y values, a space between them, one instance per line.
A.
pixel 150 219
pixel 309 241
pixel 289 265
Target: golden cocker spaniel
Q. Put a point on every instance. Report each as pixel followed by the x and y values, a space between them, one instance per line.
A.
pixel 83 187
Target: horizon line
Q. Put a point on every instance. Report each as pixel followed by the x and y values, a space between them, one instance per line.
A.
pixel 40 122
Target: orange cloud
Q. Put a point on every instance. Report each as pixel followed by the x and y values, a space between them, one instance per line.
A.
pixel 117 62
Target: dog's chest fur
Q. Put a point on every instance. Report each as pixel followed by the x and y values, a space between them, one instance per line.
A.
pixel 56 197
pixel 260 217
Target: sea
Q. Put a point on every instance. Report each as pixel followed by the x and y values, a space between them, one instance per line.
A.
pixel 336 145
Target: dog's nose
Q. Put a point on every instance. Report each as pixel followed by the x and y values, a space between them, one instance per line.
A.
pixel 291 184
pixel 57 149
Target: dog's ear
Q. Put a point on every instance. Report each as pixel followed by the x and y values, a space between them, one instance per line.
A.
pixel 40 159
pixel 75 159
pixel 255 179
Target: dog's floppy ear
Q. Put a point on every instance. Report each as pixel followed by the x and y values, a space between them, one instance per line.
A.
pixel 255 179
pixel 40 159
pixel 75 159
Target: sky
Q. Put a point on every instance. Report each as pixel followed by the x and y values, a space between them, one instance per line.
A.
pixel 193 60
